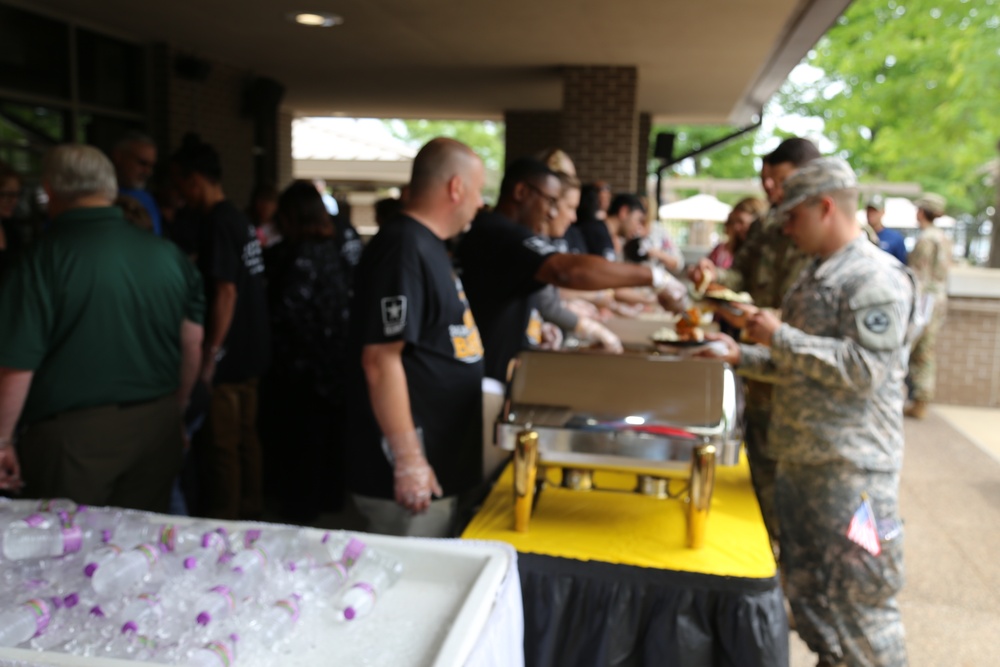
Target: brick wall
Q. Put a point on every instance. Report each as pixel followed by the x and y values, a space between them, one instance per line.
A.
pixel 213 109
pixel 643 153
pixel 530 132
pixel 600 124
pixel 968 354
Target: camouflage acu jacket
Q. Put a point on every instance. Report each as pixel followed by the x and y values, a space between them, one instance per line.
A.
pixel 838 361
pixel 930 260
pixel 766 265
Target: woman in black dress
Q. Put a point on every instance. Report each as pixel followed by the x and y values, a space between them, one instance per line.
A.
pixel 309 294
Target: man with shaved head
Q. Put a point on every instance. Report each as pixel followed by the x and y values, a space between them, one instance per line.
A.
pixel 416 421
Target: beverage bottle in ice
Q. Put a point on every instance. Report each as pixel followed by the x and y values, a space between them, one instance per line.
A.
pixel 375 574
pixel 128 569
pixel 56 505
pixel 21 622
pixel 98 557
pixel 277 621
pixel 215 604
pixel 24 541
pixel 135 530
pixel 140 614
pixel 132 646
pixel 73 618
pixel 218 653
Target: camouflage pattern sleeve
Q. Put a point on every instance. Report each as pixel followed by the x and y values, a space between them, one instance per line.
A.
pixel 755 363
pixel 874 328
pixel 921 260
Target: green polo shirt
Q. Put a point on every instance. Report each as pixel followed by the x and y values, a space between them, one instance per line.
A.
pixel 94 308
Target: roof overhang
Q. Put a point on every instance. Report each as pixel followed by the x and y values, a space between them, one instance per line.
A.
pixel 712 61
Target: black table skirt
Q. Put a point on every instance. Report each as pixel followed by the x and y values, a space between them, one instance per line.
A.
pixel 581 614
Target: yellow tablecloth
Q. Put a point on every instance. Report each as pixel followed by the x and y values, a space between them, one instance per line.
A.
pixel 631 529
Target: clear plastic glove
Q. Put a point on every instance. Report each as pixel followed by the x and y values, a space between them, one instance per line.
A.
pixel 674 297
pixel 552 337
pixel 414 479
pixel 582 308
pixel 591 330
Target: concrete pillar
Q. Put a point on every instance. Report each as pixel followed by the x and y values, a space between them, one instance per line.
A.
pixel 600 124
pixel 284 149
pixel 529 132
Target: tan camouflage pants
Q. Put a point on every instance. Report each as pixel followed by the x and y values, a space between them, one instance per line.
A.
pixel 923 361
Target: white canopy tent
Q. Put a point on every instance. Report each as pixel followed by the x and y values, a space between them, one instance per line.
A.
pixel 699 207
pixel 900 213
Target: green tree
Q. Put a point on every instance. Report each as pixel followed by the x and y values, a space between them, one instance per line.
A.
pixel 908 91
pixel 486 138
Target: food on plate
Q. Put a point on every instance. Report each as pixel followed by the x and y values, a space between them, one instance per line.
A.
pixel 721 293
pixel 688 329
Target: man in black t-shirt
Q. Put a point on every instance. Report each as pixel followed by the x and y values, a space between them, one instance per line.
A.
pixel 504 263
pixel 237 344
pixel 416 421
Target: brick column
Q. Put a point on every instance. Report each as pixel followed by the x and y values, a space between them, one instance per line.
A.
pixel 600 123
pixel 643 153
pixel 529 132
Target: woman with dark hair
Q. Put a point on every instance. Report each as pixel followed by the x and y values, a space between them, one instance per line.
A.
pixel 237 345
pixel 309 293
pixel 263 205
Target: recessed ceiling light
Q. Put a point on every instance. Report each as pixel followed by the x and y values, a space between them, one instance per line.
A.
pixel 316 19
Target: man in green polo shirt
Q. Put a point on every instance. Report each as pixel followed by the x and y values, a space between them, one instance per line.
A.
pixel 100 338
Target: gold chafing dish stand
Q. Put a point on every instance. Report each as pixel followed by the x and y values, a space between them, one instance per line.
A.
pixel 655 416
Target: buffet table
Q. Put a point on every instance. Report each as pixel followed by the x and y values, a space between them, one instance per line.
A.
pixel 607 579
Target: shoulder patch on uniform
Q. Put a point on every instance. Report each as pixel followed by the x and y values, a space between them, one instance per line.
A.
pixel 877 320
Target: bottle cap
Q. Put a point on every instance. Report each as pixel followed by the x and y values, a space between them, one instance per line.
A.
pixel 89 570
pixel 349 613
pixel 130 627
pixel 204 618
pixel 190 563
pixel 71 600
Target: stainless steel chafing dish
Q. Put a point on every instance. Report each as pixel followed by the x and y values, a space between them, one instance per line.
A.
pixel 652 415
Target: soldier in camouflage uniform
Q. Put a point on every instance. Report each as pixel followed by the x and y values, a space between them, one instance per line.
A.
pixel 929 261
pixel 765 266
pixel 838 360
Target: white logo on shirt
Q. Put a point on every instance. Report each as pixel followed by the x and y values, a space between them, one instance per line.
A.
pixel 539 245
pixel 393 314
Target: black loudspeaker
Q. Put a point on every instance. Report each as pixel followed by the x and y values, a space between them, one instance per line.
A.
pixel 664 148
pixel 192 68
pixel 262 96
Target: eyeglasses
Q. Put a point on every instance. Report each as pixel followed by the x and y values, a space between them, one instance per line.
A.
pixel 552 201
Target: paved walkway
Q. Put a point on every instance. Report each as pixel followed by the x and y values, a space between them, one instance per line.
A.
pixel 950 503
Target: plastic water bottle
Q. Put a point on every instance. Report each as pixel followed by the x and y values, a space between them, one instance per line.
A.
pixel 72 619
pixel 215 604
pixel 98 557
pixel 219 653
pixel 375 574
pixel 277 621
pixel 56 505
pixel 20 623
pixel 132 646
pixel 23 541
pixel 140 614
pixel 135 530
pixel 125 571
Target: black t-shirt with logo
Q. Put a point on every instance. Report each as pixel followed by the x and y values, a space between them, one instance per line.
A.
pixel 406 290
pixel 597 238
pixel 228 251
pixel 575 243
pixel 499 260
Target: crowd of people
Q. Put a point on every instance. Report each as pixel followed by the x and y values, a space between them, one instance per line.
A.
pixel 270 352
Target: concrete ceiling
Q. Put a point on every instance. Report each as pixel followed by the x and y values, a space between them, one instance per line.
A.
pixel 708 61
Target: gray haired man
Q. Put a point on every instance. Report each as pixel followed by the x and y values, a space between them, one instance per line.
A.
pixel 100 335
pixel 838 360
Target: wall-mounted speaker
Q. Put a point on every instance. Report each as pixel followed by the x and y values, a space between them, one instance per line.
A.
pixel 664 148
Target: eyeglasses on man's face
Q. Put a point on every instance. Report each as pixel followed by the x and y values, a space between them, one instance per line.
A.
pixel 553 202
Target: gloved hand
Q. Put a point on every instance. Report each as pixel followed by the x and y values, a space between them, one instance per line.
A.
pixel 591 330
pixel 582 308
pixel 414 479
pixel 552 337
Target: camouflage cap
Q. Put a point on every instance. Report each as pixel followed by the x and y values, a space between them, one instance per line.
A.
pixel 931 202
pixel 826 174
